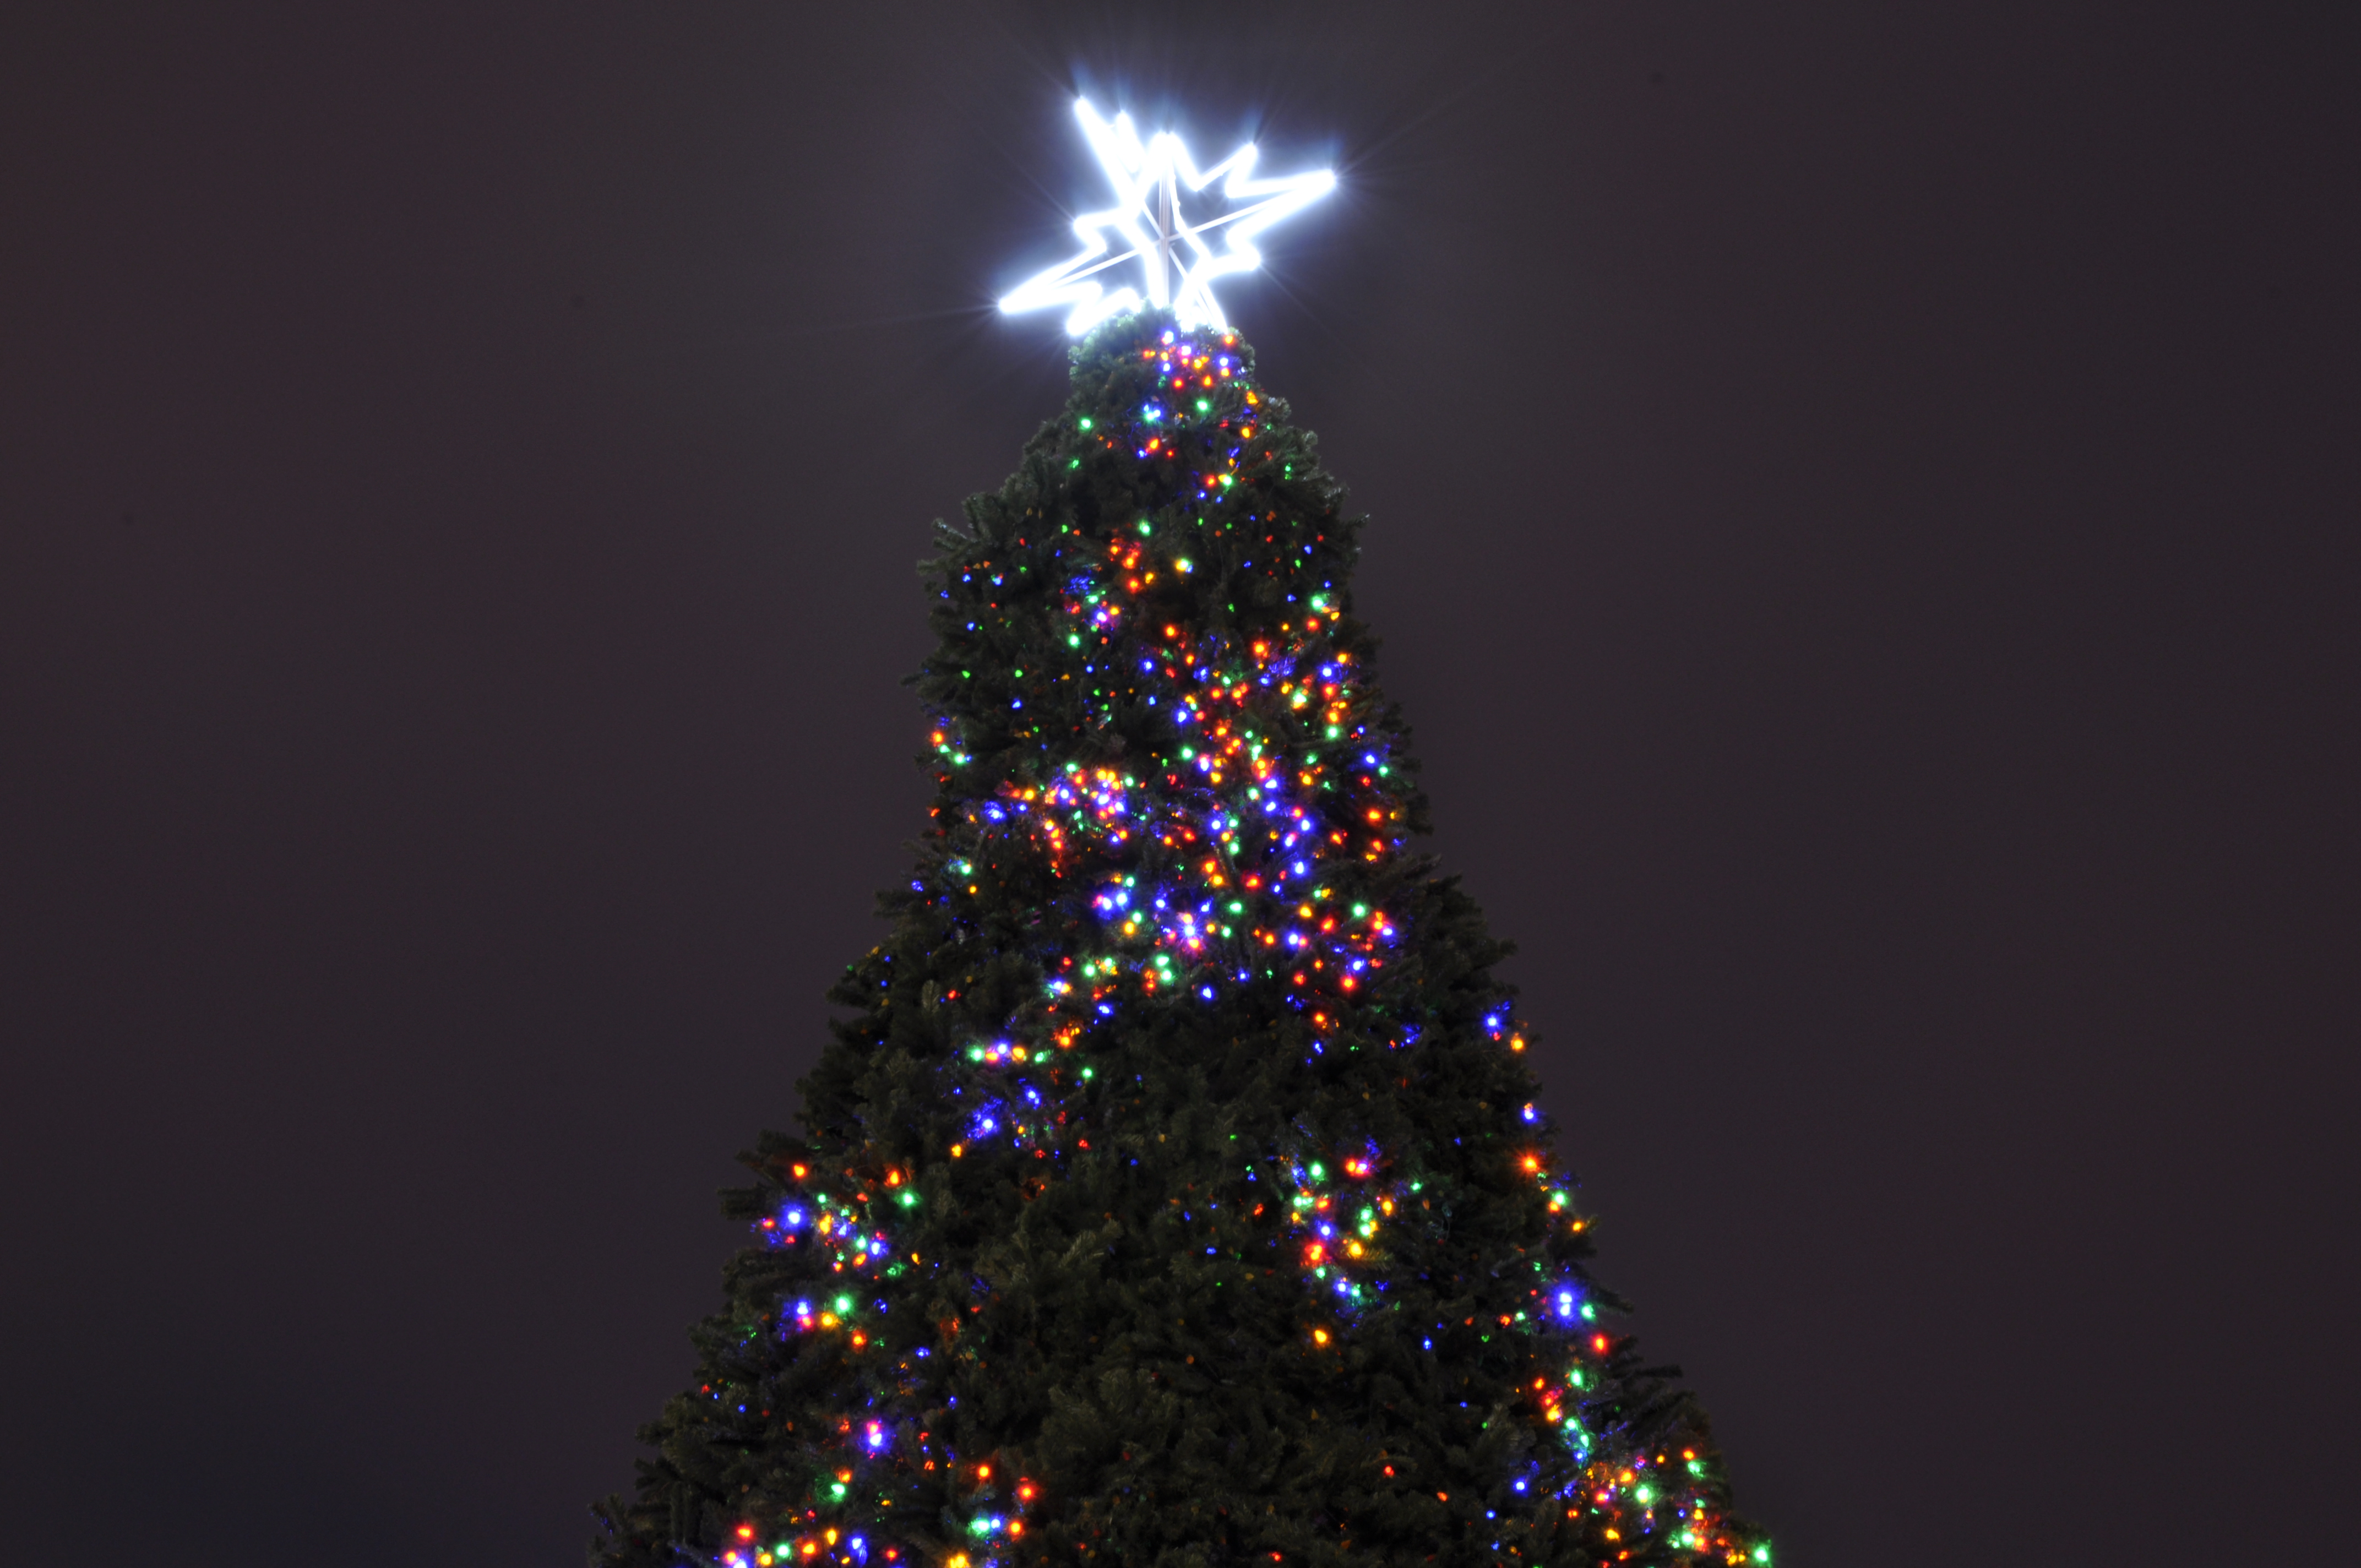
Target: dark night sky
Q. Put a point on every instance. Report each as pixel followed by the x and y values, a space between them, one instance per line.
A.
pixel 1864 525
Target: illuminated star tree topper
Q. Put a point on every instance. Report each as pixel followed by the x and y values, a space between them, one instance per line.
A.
pixel 1146 222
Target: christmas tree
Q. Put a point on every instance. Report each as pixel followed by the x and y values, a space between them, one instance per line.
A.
pixel 1177 1191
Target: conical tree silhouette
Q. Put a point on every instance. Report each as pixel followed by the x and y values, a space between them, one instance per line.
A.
pixel 1178 1194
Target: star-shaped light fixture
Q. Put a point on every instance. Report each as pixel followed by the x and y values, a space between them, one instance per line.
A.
pixel 1146 221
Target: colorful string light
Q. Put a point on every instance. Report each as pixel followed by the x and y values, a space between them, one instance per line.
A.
pixel 1167 780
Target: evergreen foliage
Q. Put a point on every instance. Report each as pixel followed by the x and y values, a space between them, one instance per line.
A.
pixel 1177 1193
